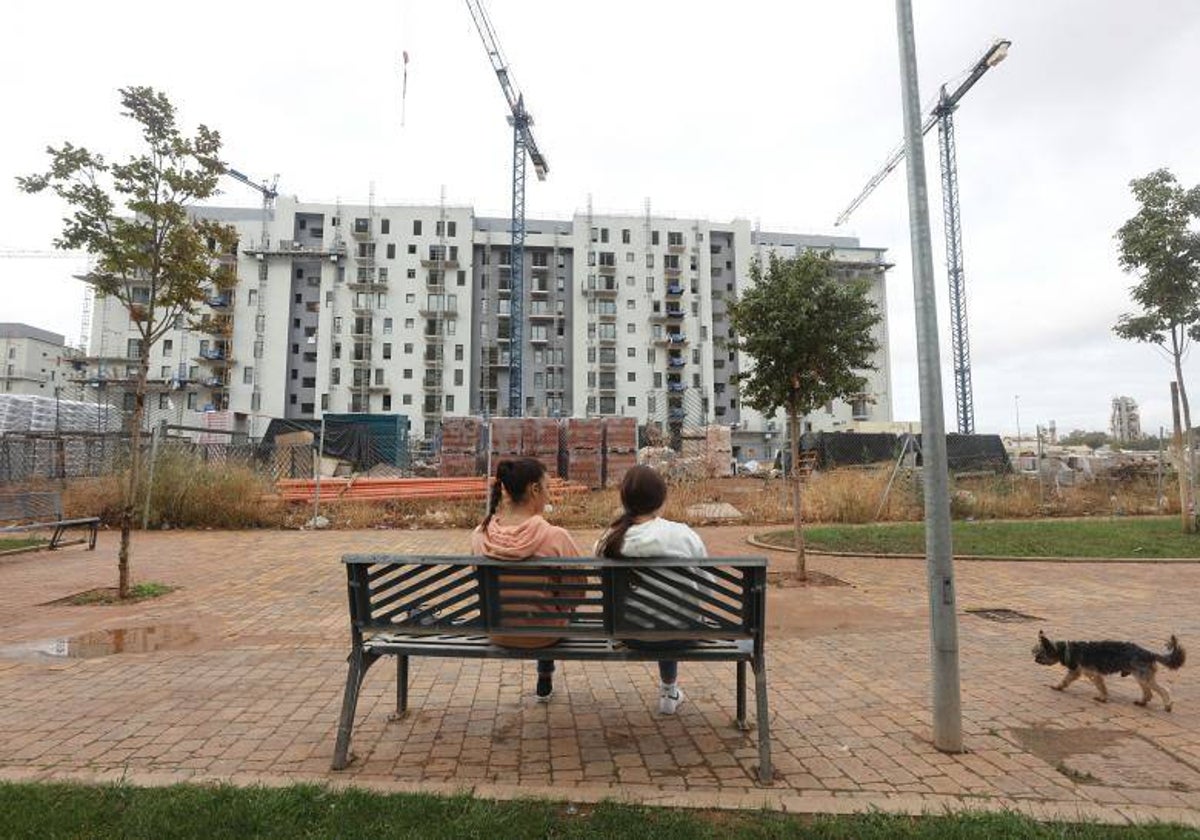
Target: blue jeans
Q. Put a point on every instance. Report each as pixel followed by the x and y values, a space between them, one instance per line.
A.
pixel 668 669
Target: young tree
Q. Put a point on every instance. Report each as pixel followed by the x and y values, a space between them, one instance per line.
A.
pixel 149 252
pixel 1162 246
pixel 808 336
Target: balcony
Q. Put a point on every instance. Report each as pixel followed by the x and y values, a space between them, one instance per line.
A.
pixel 676 387
pixel 218 325
pixel 606 269
pixel 217 357
pixel 217 383
pixel 677 247
pixel 431 385
pixel 674 290
pixel 362 231
pixel 539 339
pixel 675 314
pixel 672 270
pixel 607 339
pixel 543 315
pixel 442 311
pixel 604 290
pixel 607 363
pixel 676 362
pixel 672 339
pixel 442 264
pixel 363 361
pixel 378 387
pixel 364 332
pixel 220 301
pixel 367 285
pixel 539 292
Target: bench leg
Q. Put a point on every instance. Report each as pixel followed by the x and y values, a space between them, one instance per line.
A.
pixel 741 697
pixel 360 662
pixel 764 734
pixel 95 527
pixel 401 688
pixel 58 532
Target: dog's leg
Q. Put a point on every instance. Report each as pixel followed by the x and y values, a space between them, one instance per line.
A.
pixel 1162 692
pixel 1143 680
pixel 1067 680
pixel 1100 686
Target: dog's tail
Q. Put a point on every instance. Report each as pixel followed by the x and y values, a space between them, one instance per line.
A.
pixel 1175 655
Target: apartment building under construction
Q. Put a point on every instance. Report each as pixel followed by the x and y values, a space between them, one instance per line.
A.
pixel 406 310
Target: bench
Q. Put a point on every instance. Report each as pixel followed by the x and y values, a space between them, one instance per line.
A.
pixel 40 511
pixel 406 606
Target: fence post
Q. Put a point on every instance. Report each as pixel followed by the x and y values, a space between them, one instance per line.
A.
pixel 317 468
pixel 155 434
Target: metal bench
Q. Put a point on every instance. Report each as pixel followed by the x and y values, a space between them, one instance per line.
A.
pixel 406 606
pixel 40 511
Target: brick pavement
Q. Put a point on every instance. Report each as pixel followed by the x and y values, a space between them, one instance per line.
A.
pixel 250 686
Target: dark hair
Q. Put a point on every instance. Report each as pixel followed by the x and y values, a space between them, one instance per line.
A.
pixel 643 491
pixel 516 475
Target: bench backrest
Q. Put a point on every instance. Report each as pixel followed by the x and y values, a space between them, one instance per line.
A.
pixel 646 598
pixel 41 506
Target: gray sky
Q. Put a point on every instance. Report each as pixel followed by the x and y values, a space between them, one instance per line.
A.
pixel 777 111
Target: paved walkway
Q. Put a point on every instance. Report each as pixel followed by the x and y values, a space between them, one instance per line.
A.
pixel 247 682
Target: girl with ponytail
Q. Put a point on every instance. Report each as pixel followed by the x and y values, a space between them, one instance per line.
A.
pixel 640 532
pixel 514 530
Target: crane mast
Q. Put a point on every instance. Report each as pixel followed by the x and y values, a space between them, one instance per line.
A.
pixel 942 116
pixel 523 146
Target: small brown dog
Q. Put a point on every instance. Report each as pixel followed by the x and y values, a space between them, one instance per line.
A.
pixel 1096 659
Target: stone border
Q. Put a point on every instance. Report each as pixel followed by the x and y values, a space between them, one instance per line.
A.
pixel 754 540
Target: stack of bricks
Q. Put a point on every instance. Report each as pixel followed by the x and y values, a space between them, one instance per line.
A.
pixel 620 448
pixel 720 451
pixel 584 443
pixel 540 441
pixel 460 446
pixel 507 439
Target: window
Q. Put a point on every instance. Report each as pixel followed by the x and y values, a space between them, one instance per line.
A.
pixel 387 326
pixel 408 348
pixel 409 323
pixel 633 402
pixel 337 325
pixel 387 402
pixel 408 373
pixel 631 328
pixel 385 226
pixel 629 256
pixel 631 377
pixel 406 399
pixel 391 249
pixel 449 402
pixel 324 402
pixel 458 352
pixel 625 236
pixel 649 261
pixel 416 232
pixel 630 280
pixel 387 351
pixel 258 349
pixel 451 228
pixel 335 376
pixel 163 373
pixel 458 376
pixel 631 352
pixel 653 237
pixel 411 274
pixel 362 225
pixel 649 283
pixel 674 238
pixel 248 376
pixel 191 401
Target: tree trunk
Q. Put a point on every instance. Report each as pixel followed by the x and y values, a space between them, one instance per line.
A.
pixel 797 518
pixel 135 470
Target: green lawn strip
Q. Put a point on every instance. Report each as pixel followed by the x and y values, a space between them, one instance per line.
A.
pixel 31 810
pixel 14 543
pixel 1118 538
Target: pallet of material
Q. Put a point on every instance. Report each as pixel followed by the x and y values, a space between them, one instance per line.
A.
pixel 585 468
pixel 382 489
pixel 616 464
pixel 584 434
pixel 541 437
pixel 455 464
pixel 620 434
pixel 461 434
pixel 508 435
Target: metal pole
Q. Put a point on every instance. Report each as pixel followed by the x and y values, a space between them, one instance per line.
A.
pixel 943 620
pixel 155 434
pixel 1041 480
pixel 1017 401
pixel 317 468
pixel 1158 499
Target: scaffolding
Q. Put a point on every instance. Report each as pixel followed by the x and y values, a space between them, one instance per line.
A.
pixel 435 312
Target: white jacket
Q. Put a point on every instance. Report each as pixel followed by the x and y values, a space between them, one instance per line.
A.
pixel 662 538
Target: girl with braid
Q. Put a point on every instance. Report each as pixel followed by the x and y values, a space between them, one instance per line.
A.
pixel 515 530
pixel 641 532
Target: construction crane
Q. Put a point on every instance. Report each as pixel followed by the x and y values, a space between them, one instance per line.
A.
pixel 942 115
pixel 523 144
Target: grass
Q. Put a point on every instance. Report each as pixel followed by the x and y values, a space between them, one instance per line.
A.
pixel 108 595
pixel 19 543
pixel 1116 538
pixel 218 812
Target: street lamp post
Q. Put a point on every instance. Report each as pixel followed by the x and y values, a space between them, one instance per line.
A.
pixel 1017 402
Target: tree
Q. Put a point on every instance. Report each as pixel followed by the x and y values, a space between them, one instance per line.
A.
pixel 807 335
pixel 1078 437
pixel 149 252
pixel 1162 247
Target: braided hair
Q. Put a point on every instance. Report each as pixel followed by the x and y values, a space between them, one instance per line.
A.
pixel 643 491
pixel 516 475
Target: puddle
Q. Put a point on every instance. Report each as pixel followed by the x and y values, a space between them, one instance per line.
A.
pixel 1002 614
pixel 107 643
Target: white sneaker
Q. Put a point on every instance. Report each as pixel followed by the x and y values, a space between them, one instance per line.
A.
pixel 669 698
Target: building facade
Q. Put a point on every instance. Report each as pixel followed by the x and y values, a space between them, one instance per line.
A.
pixel 33 361
pixel 407 310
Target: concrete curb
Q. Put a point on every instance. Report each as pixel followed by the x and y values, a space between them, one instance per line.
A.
pixel 985 558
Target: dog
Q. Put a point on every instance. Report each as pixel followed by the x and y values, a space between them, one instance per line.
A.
pixel 1094 660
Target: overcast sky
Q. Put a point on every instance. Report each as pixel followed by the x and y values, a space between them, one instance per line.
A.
pixel 771 111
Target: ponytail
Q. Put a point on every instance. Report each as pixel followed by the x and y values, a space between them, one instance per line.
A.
pixel 614 540
pixel 516 476
pixel 643 491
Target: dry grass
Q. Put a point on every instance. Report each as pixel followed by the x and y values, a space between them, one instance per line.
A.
pixel 192 494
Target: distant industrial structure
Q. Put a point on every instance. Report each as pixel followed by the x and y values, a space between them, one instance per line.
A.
pixel 1126 424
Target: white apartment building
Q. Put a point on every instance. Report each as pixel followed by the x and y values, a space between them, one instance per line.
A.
pixel 406 310
pixel 33 361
